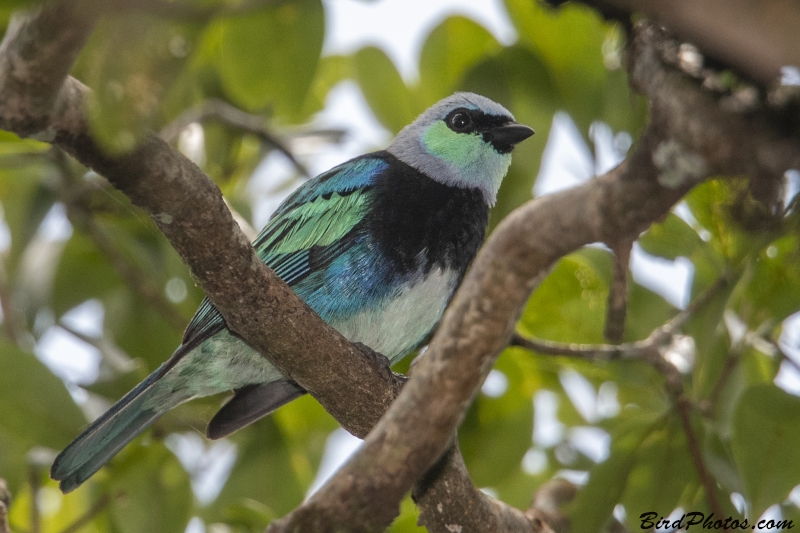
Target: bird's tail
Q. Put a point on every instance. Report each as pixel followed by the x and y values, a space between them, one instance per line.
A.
pixel 111 432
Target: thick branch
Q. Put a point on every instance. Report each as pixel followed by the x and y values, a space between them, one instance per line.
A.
pixel 36 54
pixel 756 38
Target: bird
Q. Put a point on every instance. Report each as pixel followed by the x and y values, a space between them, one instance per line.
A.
pixel 375 246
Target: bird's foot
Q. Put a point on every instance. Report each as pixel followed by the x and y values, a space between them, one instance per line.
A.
pixel 381 363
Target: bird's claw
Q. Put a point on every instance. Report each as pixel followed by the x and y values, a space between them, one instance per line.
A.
pixel 381 363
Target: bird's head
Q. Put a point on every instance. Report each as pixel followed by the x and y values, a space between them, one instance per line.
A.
pixel 463 141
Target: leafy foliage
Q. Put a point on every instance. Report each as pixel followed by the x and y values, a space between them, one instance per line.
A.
pixel 146 71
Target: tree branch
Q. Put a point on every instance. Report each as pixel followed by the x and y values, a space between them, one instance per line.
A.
pixel 756 41
pixel 618 292
pixel 233 116
pixel 5 503
pixel 643 349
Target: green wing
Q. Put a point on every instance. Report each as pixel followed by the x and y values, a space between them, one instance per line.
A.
pixel 311 228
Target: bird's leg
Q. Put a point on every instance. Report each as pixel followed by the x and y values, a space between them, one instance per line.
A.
pixel 381 363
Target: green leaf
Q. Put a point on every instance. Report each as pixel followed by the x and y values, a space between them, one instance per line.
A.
pixel 384 89
pixel 766 432
pixel 572 40
pixel 662 473
pixel 83 273
pixel 264 472
pixel 671 239
pixel 711 203
pixel 269 57
pixel 37 411
pixel 500 427
pixel 450 49
pixel 581 292
pixel 26 199
pixel 139 330
pixel 594 503
pixel 771 289
pixel 158 497
pixel 330 72
pixel 132 64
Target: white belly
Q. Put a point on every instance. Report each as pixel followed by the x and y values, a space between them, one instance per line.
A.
pixel 396 327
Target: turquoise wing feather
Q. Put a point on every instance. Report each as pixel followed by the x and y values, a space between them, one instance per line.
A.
pixel 319 216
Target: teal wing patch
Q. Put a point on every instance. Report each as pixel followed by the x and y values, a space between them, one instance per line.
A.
pixel 317 218
pixel 320 222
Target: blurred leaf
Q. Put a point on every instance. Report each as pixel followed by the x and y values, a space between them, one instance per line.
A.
pixel 500 428
pixel 710 203
pixel 133 63
pixel 57 511
pixel 384 89
pixel 450 49
pixel 671 239
pixel 407 521
pixel 595 501
pixel 269 58
pixel 712 341
pixel 581 294
pixel 766 430
pixel 138 330
pixel 662 473
pixel 156 496
pixel 83 273
pixel 770 289
pixel 646 311
pixel 572 40
pixel 26 199
pixel 37 411
pixel 330 72
pixel 263 472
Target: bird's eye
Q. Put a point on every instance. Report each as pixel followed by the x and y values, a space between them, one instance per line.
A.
pixel 460 121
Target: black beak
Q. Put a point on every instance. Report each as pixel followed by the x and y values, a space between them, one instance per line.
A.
pixel 505 137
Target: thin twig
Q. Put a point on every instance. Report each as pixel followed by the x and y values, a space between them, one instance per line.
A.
pixel 618 292
pixel 224 112
pixel 5 503
pixel 781 353
pixel 89 515
pixel 709 484
pixel 629 350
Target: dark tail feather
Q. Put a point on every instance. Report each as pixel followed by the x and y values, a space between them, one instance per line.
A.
pixel 109 434
pixel 251 403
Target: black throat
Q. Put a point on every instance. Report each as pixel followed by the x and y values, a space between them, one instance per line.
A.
pixel 420 222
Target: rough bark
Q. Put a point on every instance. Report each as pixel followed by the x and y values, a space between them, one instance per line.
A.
pixel 757 38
